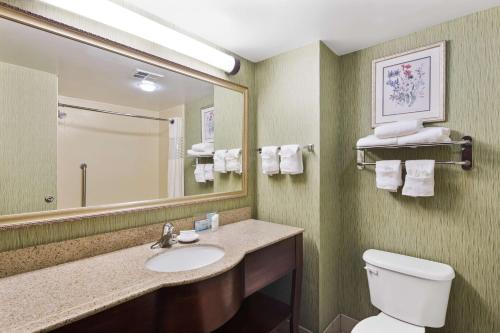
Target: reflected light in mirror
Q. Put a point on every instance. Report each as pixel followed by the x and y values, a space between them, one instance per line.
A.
pixel 113 15
pixel 147 86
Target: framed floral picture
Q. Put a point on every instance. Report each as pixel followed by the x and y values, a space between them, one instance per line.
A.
pixel 207 124
pixel 409 85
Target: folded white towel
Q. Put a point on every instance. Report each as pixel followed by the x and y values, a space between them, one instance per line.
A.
pixel 291 160
pixel 372 140
pixel 209 172
pixel 270 160
pixel 203 147
pixel 220 161
pixel 399 128
pixel 427 135
pixel 419 180
pixel 233 160
pixel 388 175
pixel 199 173
pixel 191 152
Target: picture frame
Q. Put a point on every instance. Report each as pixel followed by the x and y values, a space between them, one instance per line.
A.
pixel 410 85
pixel 207 124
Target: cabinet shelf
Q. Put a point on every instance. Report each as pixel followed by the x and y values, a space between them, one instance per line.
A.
pixel 258 314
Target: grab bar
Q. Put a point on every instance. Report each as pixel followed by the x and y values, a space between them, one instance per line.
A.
pixel 83 166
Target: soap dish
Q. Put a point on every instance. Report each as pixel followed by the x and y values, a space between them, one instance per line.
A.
pixel 188 236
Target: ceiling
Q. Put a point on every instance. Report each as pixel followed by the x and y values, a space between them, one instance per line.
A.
pixel 90 73
pixel 259 29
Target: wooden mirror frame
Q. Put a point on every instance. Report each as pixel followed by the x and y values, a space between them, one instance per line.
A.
pixel 42 23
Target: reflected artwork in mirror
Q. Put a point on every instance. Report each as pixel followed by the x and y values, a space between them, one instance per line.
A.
pixel 92 129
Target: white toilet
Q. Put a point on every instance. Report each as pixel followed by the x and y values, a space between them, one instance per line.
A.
pixel 412 293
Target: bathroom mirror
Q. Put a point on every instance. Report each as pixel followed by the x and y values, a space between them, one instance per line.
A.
pixel 88 126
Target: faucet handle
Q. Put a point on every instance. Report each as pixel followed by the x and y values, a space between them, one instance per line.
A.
pixel 168 228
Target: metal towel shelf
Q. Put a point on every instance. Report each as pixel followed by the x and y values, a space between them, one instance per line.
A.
pixel 465 143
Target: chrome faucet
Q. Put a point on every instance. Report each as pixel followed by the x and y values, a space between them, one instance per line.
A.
pixel 168 237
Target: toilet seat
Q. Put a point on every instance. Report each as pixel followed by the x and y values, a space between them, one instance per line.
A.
pixel 383 323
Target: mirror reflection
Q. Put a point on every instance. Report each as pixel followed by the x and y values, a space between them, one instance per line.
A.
pixel 81 126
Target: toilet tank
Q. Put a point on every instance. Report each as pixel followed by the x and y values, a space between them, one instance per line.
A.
pixel 409 289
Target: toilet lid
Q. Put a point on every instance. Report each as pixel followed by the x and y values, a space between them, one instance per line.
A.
pixel 385 324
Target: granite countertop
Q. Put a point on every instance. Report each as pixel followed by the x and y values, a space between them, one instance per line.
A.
pixel 48 298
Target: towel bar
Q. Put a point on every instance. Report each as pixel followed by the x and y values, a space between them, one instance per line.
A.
pixel 308 147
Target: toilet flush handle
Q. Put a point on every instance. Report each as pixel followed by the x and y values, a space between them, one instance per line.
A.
pixel 371 270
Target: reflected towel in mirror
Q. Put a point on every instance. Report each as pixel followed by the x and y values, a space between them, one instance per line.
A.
pixel 199 173
pixel 209 172
pixel 220 161
pixel 233 160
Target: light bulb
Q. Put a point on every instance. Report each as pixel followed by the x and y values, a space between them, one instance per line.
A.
pixel 147 86
pixel 118 17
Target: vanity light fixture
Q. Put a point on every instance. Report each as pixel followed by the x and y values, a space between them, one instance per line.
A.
pixel 148 86
pixel 118 17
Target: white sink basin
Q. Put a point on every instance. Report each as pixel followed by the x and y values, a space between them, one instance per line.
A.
pixel 185 258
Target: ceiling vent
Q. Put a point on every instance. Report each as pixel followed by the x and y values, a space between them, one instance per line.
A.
pixel 145 75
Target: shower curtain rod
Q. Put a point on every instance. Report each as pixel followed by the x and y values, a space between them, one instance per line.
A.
pixel 114 113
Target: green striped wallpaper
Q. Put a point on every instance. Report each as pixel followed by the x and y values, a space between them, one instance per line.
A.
pixel 288 112
pixel 461 224
pixel 28 104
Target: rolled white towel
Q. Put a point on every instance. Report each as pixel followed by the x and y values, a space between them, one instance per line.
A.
pixel 191 152
pixel 291 160
pixel 372 140
pixel 199 173
pixel 399 128
pixel 220 161
pixel 203 147
pixel 233 160
pixel 270 160
pixel 388 175
pixel 209 172
pixel 426 135
pixel 419 181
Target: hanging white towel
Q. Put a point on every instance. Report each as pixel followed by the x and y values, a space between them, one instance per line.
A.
pixel 233 160
pixel 270 160
pixel 388 175
pixel 419 180
pixel 199 173
pixel 398 128
pixel 209 172
pixel 220 161
pixel 427 135
pixel 291 160
pixel 372 140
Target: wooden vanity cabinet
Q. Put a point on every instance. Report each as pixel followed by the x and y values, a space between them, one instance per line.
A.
pixel 228 302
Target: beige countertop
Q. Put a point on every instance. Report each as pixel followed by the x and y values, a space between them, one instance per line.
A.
pixel 48 298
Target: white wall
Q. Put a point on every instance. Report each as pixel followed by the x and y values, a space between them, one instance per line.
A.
pixel 122 155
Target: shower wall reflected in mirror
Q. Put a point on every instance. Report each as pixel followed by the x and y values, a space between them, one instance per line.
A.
pixel 81 126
